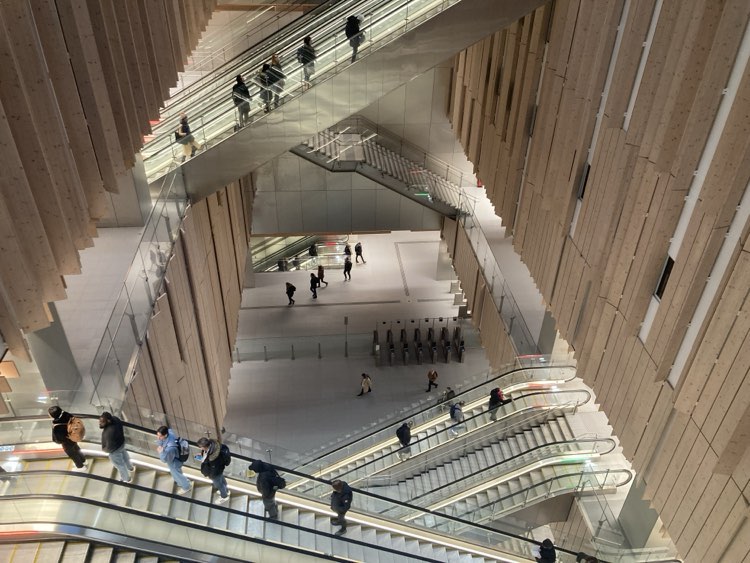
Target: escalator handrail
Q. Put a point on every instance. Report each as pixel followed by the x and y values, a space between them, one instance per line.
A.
pixel 457 398
pixel 628 472
pixel 510 459
pixel 281 469
pixel 219 104
pixel 263 45
pixel 481 413
pixel 182 522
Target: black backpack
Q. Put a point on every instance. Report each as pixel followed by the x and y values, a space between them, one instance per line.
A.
pixel 278 481
pixel 226 456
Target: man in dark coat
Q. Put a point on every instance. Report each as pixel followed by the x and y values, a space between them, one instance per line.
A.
pixel 347 269
pixel 113 443
pixel 341 502
pixel 266 481
pixel 547 552
pixel 60 420
pixel 353 34
pixel 214 458
pixel 241 99
pixel 314 283
pixel 404 436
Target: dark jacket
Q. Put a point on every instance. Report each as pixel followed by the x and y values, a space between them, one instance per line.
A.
pixel 213 463
pixel 547 553
pixel 348 250
pixel 265 479
pixel 358 248
pixel 404 434
pixel 275 74
pixel 341 502
pixel 113 436
pixel 348 266
pixel 240 94
pixel 60 428
pixel 184 127
pixel 314 281
pixel 496 398
pixel 305 54
pixel 290 290
pixel 352 26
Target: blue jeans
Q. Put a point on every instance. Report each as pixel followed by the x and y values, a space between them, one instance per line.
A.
pixel 175 468
pixel 121 460
pixel 220 483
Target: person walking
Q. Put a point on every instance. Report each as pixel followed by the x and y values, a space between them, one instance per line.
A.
pixel 496 401
pixel 306 57
pixel 60 435
pixel 457 416
pixel 366 385
pixel 322 274
pixel 341 502
pixel 266 480
pixel 168 446
pixel 313 250
pixel 214 458
pixel 314 283
pixel 347 250
pixel 404 437
pixel 432 376
pixel 277 79
pixel 290 289
pixel 184 136
pixel 358 252
pixel 353 34
pixel 265 83
pixel 241 98
pixel 113 444
pixel 347 269
pixel 547 552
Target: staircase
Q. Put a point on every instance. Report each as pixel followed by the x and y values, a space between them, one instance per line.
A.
pixel 359 152
pixel 393 54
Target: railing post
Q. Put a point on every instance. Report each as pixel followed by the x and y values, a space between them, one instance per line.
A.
pixel 293 352
pixel 265 354
pixel 320 355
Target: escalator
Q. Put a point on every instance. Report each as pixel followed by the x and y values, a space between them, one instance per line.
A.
pixel 43 499
pixel 404 38
pixel 284 254
pixel 73 551
pixel 433 430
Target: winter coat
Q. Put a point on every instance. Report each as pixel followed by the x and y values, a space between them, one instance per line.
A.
pixel 240 94
pixel 314 282
pixel 496 398
pixel 265 478
pixel 60 428
pixel 366 384
pixel 213 463
pixel 305 54
pixel 547 554
pixel 358 248
pixel 290 290
pixel 348 250
pixel 341 502
pixel 113 436
pixel 352 26
pixel 348 266
pixel 321 273
pixel 404 434
pixel 432 375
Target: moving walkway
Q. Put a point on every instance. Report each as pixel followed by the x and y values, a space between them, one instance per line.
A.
pixel 404 38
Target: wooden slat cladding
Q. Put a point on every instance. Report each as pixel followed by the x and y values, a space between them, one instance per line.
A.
pixel 183 367
pixel 689 444
pixel 493 92
pixel 79 81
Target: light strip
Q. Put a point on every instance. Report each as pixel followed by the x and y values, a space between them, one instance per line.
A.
pixel 642 64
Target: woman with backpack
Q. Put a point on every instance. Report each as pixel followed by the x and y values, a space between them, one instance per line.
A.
pixel 61 435
pixel 184 137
